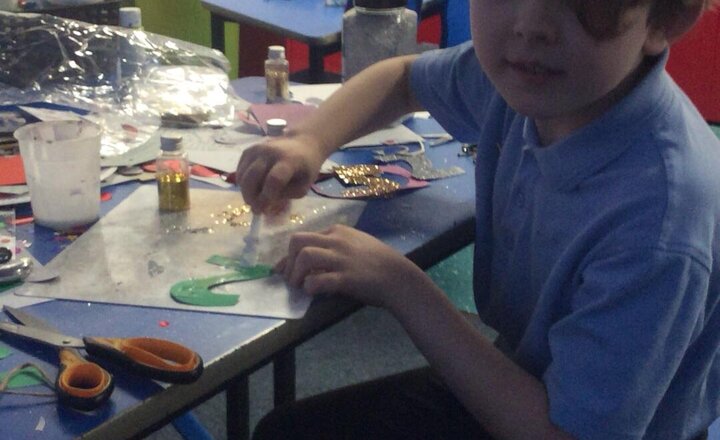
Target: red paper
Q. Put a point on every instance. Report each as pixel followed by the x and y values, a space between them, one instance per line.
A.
pixel 11 170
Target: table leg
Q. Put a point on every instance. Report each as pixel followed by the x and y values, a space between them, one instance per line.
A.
pixel 316 66
pixel 284 377
pixel 237 395
pixel 217 32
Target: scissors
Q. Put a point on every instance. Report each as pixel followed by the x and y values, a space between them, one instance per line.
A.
pixel 85 385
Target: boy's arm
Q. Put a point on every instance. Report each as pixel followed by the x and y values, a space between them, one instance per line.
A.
pixel 369 101
pixel 507 401
pixel 272 172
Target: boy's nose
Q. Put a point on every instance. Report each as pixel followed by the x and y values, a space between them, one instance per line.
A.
pixel 535 21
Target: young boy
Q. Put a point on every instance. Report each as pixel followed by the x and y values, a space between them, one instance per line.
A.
pixel 597 243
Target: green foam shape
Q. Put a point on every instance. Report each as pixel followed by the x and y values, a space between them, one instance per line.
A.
pixel 228 263
pixel 4 352
pixel 26 377
pixel 8 286
pixel 197 291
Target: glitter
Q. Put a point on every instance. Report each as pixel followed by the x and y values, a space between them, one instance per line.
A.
pixel 367 180
pixel 234 216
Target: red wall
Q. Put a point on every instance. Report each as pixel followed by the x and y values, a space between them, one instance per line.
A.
pixel 695 65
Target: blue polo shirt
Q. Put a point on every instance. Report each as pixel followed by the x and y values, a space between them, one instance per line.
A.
pixel 596 257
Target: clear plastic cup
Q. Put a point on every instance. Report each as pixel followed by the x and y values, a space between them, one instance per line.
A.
pixel 62 168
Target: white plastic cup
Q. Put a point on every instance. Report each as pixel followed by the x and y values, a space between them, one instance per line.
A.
pixel 62 168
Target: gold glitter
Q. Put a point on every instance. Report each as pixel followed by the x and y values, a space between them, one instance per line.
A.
pixel 233 216
pixel 367 179
pixel 242 216
pixel 356 174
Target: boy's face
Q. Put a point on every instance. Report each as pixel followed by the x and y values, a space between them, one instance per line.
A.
pixel 547 67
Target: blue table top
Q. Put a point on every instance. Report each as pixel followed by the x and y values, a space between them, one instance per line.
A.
pixel 309 21
pixel 411 222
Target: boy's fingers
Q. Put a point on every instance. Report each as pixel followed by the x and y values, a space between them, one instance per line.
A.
pixel 311 260
pixel 279 267
pixel 299 242
pixel 276 182
pixel 277 207
pixel 246 159
pixel 322 283
pixel 251 182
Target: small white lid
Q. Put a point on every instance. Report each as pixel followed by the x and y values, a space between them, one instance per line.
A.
pixel 276 126
pixel 170 143
pixel 130 17
pixel 276 52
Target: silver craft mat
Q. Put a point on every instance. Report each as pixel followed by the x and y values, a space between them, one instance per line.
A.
pixel 134 254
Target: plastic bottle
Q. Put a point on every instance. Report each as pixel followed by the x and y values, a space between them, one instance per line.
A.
pixel 130 57
pixel 130 17
pixel 173 175
pixel 375 30
pixel 277 75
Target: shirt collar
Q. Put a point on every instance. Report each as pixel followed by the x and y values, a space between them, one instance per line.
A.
pixel 566 163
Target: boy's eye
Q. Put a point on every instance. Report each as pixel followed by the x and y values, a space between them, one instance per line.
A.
pixel 601 18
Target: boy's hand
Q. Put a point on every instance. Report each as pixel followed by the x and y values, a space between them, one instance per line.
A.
pixel 343 260
pixel 273 172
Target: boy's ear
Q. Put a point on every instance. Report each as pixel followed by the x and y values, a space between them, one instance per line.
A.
pixel 663 35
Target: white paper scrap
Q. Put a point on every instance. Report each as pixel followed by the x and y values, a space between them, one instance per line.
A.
pixel 40 424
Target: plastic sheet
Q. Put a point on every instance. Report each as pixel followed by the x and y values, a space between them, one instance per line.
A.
pixel 124 77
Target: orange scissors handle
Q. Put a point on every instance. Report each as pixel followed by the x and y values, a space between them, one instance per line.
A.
pixel 81 384
pixel 152 357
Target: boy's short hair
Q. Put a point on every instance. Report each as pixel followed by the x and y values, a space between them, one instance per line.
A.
pixel 603 19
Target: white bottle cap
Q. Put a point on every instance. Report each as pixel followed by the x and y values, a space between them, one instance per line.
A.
pixel 276 52
pixel 276 126
pixel 130 17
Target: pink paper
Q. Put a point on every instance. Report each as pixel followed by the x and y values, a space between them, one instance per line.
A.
pixel 291 113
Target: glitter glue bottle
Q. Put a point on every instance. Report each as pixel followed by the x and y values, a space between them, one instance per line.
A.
pixel 277 75
pixel 173 175
pixel 375 30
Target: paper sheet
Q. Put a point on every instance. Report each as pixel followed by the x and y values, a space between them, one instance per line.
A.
pixel 134 254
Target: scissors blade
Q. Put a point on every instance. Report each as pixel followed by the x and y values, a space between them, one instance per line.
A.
pixel 36 334
pixel 29 320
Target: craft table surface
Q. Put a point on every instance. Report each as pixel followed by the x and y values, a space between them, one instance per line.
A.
pixel 427 225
